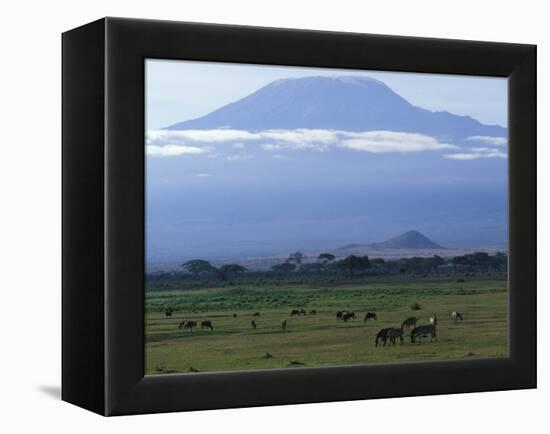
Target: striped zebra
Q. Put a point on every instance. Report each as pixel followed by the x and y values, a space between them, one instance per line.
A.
pixel 393 334
pixel 187 324
pixel 423 331
pixel 409 323
pixel 381 337
pixel 457 316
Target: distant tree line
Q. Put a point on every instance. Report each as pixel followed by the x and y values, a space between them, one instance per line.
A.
pixel 198 267
pixel 356 265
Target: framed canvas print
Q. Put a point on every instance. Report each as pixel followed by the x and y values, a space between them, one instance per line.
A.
pixel 258 216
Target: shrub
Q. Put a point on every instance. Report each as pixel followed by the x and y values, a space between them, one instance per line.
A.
pixel 416 306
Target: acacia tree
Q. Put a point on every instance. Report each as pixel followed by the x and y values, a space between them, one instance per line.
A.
pixel 480 261
pixel 354 263
pixel 227 269
pixel 296 258
pixel 199 266
pixel 326 257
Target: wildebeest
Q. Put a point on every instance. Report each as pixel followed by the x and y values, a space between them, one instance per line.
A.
pixel 234 315
pixel 256 314
pixel 283 324
pixel 303 311
pixel 187 324
pixel 253 323
pixel 457 316
pixel 393 333
pixel 370 315
pixel 348 315
pixel 339 314
pixel 313 312
pixel 433 319
pixel 207 324
pixel 168 312
pixel 423 331
pixel 409 322
pixel 381 336
pixel 294 312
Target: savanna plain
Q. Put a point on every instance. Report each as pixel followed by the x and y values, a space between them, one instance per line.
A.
pixel 248 332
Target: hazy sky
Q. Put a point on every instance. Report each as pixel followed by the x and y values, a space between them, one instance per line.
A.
pixel 230 193
pixel 182 90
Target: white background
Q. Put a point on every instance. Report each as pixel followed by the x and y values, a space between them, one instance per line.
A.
pixel 30 215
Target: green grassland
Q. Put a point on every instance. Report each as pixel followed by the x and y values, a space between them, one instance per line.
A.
pixel 321 340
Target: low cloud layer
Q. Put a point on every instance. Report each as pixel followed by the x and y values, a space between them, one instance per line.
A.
pixel 476 153
pixel 278 143
pixel 489 140
pixel 174 150
pixel 388 141
pixel 196 142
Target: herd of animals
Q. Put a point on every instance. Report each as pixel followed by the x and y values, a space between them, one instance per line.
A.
pixel 384 336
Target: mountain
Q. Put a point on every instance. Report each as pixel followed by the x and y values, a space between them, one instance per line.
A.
pixel 408 240
pixel 411 240
pixel 339 102
pixel 229 197
pixel 350 246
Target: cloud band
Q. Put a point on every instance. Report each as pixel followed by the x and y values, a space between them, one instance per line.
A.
pixel 192 142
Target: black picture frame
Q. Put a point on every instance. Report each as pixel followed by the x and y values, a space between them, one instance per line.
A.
pixel 103 215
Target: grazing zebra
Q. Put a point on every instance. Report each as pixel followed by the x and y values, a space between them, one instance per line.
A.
pixel 187 324
pixel 348 315
pixel 381 336
pixel 253 324
pixel 393 333
pixel 433 319
pixel 408 323
pixel 207 324
pixel 370 315
pixel 423 331
pixel 457 316
pixel 283 324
